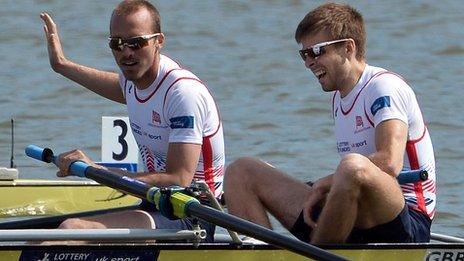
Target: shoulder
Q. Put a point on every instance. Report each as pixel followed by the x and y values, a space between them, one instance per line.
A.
pixel 189 92
pixel 388 89
pixel 183 83
pixel 387 82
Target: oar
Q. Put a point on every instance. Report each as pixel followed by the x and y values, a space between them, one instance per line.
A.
pixel 446 238
pixel 186 206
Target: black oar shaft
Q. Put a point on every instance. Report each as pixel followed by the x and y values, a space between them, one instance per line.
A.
pixel 214 216
pixel 123 183
pixel 259 232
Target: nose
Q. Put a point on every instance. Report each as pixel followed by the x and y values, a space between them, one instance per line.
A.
pixel 126 51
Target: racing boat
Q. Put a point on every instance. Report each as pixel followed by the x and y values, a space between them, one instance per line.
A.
pixel 126 245
pixel 19 242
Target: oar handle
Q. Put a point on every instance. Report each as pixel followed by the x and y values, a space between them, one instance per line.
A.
pixel 38 153
pixel 412 176
pixel 77 168
pixel 82 169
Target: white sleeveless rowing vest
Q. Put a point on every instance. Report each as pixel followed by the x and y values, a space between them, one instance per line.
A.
pixel 176 108
pixel 378 96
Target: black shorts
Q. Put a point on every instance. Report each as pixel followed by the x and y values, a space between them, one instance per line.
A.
pixel 410 226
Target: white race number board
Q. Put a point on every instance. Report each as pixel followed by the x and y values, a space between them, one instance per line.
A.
pixel 118 143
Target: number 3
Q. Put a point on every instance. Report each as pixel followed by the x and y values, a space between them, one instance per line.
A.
pixel 121 140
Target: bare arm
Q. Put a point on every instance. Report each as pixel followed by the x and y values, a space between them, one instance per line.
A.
pixel 390 142
pixel 181 165
pixel 182 161
pixel 103 83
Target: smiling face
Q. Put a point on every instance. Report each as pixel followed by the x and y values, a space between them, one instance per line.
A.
pixel 336 68
pixel 137 65
pixel 338 29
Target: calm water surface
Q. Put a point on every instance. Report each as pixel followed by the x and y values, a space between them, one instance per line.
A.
pixel 271 106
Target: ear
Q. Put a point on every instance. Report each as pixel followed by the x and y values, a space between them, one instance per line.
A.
pixel 351 48
pixel 160 41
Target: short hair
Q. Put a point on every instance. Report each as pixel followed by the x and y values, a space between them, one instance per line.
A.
pixel 127 7
pixel 339 20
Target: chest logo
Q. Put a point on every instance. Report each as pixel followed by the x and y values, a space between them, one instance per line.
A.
pixel 359 122
pixel 155 117
pixel 359 125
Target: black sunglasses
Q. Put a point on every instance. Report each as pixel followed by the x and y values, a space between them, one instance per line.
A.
pixel 318 49
pixel 135 43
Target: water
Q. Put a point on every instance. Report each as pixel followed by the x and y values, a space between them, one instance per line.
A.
pixel 271 106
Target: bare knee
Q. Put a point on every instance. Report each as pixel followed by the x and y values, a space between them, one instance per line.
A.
pixel 69 223
pixel 353 170
pixel 241 170
pixel 76 223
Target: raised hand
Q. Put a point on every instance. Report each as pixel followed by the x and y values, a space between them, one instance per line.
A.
pixel 55 51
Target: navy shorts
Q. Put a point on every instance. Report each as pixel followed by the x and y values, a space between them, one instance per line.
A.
pixel 180 224
pixel 410 226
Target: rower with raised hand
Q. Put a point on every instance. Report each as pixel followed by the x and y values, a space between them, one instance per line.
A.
pixel 379 131
pixel 174 118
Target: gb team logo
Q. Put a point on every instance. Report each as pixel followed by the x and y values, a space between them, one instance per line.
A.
pixel 359 122
pixel 155 117
pixel 359 125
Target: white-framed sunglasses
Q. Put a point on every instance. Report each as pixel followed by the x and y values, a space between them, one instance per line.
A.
pixel 134 43
pixel 318 49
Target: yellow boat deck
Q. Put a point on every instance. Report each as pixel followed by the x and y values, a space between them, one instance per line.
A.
pixel 55 197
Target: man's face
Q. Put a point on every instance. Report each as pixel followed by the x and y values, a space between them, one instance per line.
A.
pixel 137 62
pixel 327 62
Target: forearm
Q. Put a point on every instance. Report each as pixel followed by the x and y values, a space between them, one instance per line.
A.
pixel 164 179
pixel 390 143
pixel 158 179
pixel 387 163
pixel 103 83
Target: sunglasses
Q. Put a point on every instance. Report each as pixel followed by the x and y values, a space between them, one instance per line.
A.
pixel 318 49
pixel 134 43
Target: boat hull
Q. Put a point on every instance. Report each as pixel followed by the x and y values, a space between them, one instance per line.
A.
pixel 33 198
pixel 224 252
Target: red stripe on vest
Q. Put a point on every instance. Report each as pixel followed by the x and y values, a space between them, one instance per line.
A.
pixel 207 152
pixel 414 163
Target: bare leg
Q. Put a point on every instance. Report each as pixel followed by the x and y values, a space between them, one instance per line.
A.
pixel 361 196
pixel 124 219
pixel 253 187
